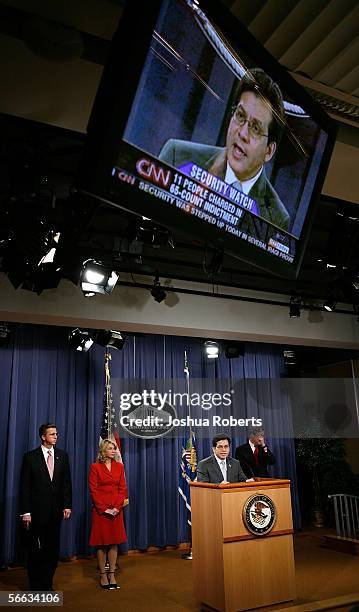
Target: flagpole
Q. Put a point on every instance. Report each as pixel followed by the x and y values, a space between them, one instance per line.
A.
pixel 189 554
pixel 109 419
pixel 108 392
pixel 186 371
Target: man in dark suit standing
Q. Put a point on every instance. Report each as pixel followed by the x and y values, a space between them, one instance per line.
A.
pixel 220 467
pixel 45 499
pixel 255 456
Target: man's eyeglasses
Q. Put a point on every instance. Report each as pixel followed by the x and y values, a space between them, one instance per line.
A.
pixel 254 128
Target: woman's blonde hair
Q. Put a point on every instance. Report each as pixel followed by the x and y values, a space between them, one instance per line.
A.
pixel 101 457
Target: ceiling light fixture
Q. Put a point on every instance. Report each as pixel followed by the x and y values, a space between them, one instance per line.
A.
pixel 110 338
pixel 294 307
pixel 147 232
pixel 329 305
pixel 211 349
pixel 49 257
pixel 290 358
pixel 80 340
pixel 232 350
pixel 157 292
pixel 4 334
pixel 97 278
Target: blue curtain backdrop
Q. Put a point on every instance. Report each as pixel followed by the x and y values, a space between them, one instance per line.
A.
pixel 42 380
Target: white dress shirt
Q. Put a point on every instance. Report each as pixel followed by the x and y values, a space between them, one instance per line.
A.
pixel 231 178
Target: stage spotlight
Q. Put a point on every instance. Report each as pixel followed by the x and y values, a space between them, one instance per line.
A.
pixel 6 237
pixel 294 307
pixel 329 305
pixel 290 358
pixel 28 249
pixel 355 281
pixel 4 334
pixel 45 276
pixel 211 349
pixel 147 232
pixel 80 340
pixel 111 338
pixel 53 241
pixel 232 350
pixel 157 292
pixel 97 278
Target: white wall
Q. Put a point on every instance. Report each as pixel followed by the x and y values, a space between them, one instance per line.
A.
pixel 133 309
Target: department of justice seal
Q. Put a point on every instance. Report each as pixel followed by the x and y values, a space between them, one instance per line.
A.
pixel 148 421
pixel 259 514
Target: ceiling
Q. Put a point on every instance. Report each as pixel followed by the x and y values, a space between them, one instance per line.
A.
pixel 317 39
pixel 317 42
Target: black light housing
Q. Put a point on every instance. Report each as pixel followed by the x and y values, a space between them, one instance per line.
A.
pixel 97 278
pixel 4 334
pixel 152 234
pixel 111 338
pixel 157 292
pixel 290 357
pixel 211 349
pixel 80 340
pixel 294 307
pixel 355 281
pixel 27 239
pixel 233 350
pixel 330 305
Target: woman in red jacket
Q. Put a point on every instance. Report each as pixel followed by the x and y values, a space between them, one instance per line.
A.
pixel 108 493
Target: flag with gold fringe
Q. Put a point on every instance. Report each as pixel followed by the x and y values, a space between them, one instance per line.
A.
pixel 188 471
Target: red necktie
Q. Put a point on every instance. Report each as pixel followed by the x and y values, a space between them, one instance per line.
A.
pixel 256 451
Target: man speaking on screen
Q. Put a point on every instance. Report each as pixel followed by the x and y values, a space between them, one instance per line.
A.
pixel 251 142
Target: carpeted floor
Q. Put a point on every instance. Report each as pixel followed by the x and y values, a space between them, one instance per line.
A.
pixel 162 581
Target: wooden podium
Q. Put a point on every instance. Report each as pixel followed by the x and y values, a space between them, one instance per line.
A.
pixel 233 568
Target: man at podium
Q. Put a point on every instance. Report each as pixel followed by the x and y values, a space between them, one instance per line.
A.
pixel 220 467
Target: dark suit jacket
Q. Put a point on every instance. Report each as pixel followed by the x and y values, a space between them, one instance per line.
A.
pixel 208 470
pixel 214 159
pixel 44 498
pixel 245 456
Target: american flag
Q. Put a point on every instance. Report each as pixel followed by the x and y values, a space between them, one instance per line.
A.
pixel 109 425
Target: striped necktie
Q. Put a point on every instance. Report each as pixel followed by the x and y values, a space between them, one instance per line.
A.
pixel 50 464
pixel 237 185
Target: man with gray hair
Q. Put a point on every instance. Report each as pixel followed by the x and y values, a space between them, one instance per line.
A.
pixel 255 456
